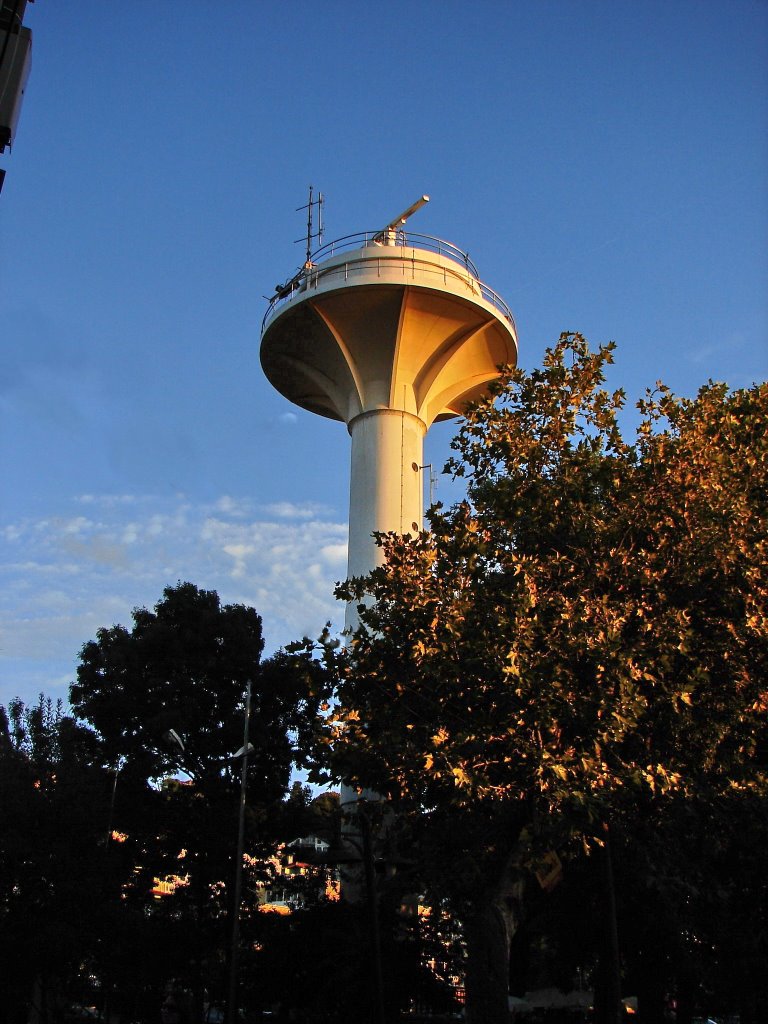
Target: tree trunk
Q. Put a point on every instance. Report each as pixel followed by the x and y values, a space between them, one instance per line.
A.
pixel 608 1006
pixel 685 997
pixel 749 1012
pixel 488 933
pixel 652 982
pixel 651 1002
pixel 37 1014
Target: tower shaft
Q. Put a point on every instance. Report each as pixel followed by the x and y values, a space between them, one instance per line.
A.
pixel 385 491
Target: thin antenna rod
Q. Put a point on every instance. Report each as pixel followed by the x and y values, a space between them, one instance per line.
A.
pixel 309 207
pixel 432 481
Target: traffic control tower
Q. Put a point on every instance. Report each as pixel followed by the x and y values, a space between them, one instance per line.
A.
pixel 387 332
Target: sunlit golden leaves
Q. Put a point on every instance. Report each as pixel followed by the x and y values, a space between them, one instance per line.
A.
pixel 591 623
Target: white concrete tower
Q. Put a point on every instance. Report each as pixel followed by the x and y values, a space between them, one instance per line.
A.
pixel 387 333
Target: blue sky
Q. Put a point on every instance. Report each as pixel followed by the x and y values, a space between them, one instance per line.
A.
pixel 605 165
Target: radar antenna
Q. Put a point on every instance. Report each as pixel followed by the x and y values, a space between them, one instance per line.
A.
pixel 309 207
pixel 387 234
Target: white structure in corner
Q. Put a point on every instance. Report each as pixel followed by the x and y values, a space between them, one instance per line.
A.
pixel 387 333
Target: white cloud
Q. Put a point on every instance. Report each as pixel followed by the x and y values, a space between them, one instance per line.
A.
pixel 290 510
pixel 77 525
pixel 110 500
pixel 334 554
pixel 61 578
pixel 233 506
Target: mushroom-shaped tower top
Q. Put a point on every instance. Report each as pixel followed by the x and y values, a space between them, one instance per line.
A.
pixel 387 334
pixel 380 321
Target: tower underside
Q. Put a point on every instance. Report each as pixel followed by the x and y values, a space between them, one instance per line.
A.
pixel 387 327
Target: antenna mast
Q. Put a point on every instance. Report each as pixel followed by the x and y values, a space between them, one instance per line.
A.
pixel 309 207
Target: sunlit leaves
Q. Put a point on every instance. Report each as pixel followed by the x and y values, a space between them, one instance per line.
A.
pixel 591 623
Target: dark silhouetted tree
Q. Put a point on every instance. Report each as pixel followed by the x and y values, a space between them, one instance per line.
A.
pixel 168 699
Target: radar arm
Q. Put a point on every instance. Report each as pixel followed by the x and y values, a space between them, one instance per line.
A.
pixel 386 233
pixel 399 221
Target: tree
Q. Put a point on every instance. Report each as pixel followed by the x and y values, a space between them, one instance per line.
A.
pixel 582 635
pixel 168 697
pixel 52 870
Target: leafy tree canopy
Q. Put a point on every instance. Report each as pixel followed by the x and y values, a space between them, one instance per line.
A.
pixel 590 623
pixel 581 639
pixel 168 697
pixel 184 666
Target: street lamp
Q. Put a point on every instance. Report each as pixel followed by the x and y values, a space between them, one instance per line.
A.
pixel 234 951
pixel 119 762
pixel 234 958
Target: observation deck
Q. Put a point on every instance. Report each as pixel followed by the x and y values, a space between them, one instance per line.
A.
pixel 386 320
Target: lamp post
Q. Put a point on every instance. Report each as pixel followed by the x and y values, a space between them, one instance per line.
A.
pixel 119 762
pixel 234 950
pixel 234 953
